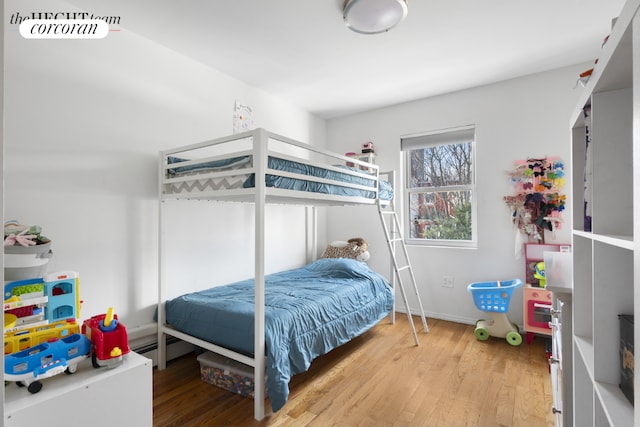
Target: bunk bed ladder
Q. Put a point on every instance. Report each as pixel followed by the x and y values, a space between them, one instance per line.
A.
pixel 393 235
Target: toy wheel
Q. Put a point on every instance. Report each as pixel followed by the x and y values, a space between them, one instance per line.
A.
pixel 70 370
pixel 478 321
pixel 94 361
pixel 34 387
pixel 481 334
pixel 514 338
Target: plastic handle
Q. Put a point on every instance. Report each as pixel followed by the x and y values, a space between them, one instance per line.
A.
pixel 109 317
pixel 547 306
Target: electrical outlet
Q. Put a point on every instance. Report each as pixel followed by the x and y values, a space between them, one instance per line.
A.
pixel 447 281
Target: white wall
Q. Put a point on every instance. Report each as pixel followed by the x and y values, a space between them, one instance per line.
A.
pixel 85 120
pixel 516 119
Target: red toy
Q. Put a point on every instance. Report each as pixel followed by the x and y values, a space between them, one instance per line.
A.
pixel 108 337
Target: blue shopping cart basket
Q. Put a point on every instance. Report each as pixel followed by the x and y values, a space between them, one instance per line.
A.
pixel 494 298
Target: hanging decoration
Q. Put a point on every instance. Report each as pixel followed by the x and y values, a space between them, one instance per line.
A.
pixel 537 204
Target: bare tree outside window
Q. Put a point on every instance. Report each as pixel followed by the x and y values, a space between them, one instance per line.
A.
pixel 440 185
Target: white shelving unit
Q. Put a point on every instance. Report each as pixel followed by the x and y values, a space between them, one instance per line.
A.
pixel 606 259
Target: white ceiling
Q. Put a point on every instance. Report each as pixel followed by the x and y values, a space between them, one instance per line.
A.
pixel 300 49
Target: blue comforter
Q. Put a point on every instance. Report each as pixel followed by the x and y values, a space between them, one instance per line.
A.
pixel 308 312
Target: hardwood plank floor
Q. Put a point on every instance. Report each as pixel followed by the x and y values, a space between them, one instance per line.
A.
pixel 382 379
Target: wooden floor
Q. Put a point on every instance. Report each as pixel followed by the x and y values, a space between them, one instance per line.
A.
pixel 382 379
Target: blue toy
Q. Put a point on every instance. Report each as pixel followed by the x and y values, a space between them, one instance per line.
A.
pixel 28 367
pixel 493 298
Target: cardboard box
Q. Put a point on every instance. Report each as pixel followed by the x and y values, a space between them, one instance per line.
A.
pixel 227 373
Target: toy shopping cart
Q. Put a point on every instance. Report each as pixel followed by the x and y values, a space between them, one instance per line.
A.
pixel 493 298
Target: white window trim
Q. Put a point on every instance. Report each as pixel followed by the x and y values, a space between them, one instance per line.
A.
pixel 455 135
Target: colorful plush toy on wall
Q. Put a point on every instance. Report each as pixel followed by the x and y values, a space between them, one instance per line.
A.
pixel 355 248
pixel 538 203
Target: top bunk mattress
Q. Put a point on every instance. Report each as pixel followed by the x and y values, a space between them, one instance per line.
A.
pixel 226 168
pixel 237 177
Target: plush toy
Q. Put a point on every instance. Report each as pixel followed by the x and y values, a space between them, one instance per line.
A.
pixel 355 248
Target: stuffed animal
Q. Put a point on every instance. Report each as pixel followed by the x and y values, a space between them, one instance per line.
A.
pixel 355 248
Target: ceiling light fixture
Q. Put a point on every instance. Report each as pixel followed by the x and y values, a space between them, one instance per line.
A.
pixel 373 16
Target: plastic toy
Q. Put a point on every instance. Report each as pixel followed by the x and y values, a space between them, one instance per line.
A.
pixel 63 291
pixel 42 337
pixel 49 299
pixel 22 338
pixel 108 337
pixel 28 367
pixel 103 338
pixel 493 298
pixel 539 274
pixel 10 320
pixel 41 309
pixel 25 300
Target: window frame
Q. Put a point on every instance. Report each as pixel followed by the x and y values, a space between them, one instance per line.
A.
pixel 447 136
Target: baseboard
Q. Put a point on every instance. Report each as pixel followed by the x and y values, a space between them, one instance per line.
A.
pixel 448 317
pixel 441 316
pixel 175 349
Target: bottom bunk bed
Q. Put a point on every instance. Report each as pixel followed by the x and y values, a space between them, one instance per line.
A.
pixel 308 312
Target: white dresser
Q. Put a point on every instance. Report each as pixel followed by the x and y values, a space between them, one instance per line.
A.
pixel 96 397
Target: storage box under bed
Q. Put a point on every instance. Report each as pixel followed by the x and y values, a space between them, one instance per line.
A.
pixel 227 373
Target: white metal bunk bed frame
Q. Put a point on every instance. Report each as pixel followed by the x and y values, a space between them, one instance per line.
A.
pixel 260 195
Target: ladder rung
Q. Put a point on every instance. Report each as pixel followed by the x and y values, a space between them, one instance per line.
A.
pixel 403 268
pixel 396 239
pixel 388 212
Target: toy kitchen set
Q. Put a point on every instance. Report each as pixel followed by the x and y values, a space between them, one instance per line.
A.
pixel 538 301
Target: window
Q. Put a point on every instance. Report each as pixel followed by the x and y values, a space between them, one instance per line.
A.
pixel 440 187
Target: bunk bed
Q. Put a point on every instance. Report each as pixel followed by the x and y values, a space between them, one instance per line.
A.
pixel 261 167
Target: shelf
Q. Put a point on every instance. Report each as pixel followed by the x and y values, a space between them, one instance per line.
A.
pixel 584 347
pixel 584 394
pixel 583 288
pixel 615 405
pixel 625 242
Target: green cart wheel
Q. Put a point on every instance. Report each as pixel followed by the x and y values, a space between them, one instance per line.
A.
pixel 514 338
pixel 481 334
